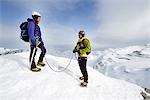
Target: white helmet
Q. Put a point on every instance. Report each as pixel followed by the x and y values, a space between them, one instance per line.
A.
pixel 34 13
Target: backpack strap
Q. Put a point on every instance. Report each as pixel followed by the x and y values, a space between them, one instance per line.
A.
pixel 84 44
pixel 34 28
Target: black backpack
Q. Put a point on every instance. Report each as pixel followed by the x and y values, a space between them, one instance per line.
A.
pixel 24 32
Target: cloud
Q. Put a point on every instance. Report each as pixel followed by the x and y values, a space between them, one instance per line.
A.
pixel 54 34
pixel 57 34
pixel 124 21
pixel 121 22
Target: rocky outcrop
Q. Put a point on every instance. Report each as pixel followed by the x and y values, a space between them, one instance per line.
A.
pixel 146 94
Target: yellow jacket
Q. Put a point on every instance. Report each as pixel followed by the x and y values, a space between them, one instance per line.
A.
pixel 83 47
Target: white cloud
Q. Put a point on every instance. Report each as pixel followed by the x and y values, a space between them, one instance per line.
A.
pixel 123 21
pixel 56 34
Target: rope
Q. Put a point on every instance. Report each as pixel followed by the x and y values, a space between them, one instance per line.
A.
pixel 59 70
pixel 76 56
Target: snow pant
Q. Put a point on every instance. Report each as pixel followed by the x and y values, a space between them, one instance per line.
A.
pixel 33 51
pixel 82 64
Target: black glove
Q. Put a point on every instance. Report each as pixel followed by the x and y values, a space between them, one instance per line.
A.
pixel 74 51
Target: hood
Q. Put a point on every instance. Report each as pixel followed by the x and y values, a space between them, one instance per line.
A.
pixel 30 19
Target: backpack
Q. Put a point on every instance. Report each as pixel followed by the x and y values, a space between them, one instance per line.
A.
pixel 24 32
pixel 84 46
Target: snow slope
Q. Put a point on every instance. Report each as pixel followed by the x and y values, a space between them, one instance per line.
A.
pixel 17 82
pixel 131 64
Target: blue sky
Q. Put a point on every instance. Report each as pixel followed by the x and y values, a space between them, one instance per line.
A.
pixel 107 23
pixel 82 12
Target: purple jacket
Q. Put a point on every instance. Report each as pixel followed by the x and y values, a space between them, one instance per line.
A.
pixel 34 32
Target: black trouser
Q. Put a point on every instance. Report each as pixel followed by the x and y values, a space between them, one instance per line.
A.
pixel 33 51
pixel 82 63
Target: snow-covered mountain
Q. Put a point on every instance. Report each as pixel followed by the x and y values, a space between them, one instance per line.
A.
pixel 5 51
pixel 131 64
pixel 17 82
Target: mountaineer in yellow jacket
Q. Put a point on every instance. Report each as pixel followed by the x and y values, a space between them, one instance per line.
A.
pixel 83 49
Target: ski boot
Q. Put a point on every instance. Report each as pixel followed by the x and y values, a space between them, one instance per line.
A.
pixel 84 84
pixel 35 69
pixel 39 63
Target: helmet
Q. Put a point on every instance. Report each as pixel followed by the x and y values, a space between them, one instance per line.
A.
pixel 82 32
pixel 34 13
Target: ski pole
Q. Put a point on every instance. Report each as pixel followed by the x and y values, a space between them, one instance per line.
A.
pixel 33 53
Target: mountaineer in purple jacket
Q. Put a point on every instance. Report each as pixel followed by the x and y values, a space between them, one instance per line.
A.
pixel 35 41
